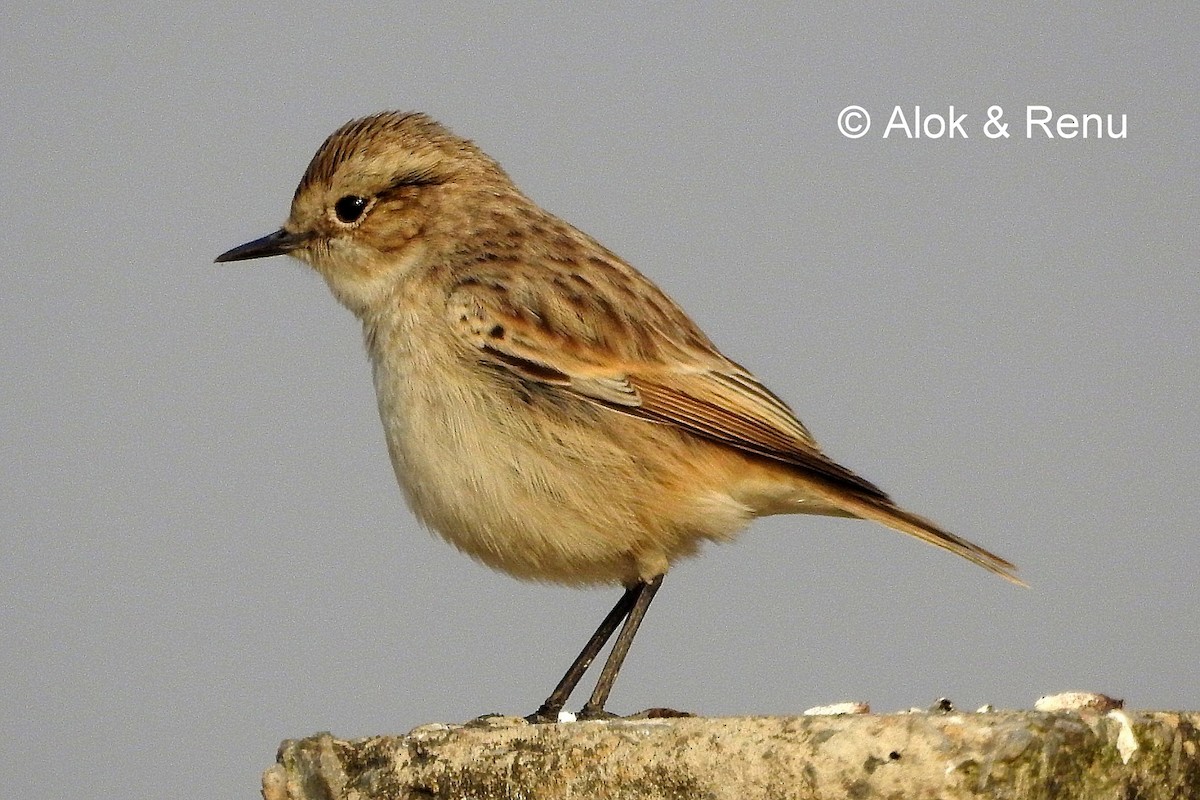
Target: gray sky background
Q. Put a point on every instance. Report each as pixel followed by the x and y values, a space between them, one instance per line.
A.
pixel 202 549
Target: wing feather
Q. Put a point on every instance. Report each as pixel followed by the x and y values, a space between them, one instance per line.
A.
pixel 668 373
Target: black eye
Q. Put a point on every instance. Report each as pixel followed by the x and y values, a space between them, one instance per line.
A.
pixel 350 208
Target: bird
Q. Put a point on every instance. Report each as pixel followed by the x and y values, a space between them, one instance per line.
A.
pixel 548 410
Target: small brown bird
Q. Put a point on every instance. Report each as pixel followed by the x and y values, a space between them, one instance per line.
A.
pixel 548 409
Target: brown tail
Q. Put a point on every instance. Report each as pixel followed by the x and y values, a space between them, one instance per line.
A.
pixel 896 518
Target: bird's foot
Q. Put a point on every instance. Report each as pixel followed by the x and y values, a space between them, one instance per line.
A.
pixel 544 715
pixel 590 712
pixel 547 715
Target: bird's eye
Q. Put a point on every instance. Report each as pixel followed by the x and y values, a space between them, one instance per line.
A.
pixel 350 208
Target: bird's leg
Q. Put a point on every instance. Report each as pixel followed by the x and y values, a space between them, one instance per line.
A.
pixel 558 698
pixel 594 709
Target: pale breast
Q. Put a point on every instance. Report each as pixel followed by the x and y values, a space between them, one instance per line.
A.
pixel 533 481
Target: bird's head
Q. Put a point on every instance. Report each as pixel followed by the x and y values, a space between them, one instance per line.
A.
pixel 379 195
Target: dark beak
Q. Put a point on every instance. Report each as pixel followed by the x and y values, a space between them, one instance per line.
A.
pixel 278 243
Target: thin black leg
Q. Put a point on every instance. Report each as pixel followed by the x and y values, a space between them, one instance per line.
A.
pixel 558 698
pixel 594 709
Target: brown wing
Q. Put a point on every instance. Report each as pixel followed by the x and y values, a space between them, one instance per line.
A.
pixel 643 358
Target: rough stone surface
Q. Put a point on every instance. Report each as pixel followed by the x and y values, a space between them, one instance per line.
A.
pixel 1027 754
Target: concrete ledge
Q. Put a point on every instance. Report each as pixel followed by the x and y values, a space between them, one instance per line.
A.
pixel 1018 754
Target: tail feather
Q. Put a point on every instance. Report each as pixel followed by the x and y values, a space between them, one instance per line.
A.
pixel 896 518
